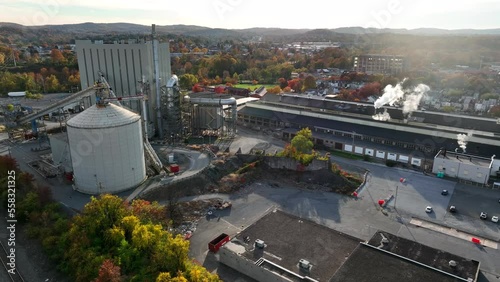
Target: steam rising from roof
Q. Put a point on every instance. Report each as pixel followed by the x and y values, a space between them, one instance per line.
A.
pixel 412 100
pixel 392 94
pixel 463 139
pixel 382 116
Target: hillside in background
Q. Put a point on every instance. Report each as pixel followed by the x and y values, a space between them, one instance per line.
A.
pixel 15 33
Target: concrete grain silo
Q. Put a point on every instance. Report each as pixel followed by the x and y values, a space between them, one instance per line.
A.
pixel 106 147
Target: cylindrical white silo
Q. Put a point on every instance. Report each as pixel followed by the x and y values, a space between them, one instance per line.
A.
pixel 107 151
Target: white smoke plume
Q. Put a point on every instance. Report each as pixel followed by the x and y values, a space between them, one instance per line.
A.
pixel 463 139
pixel 411 98
pixel 391 95
pixel 382 116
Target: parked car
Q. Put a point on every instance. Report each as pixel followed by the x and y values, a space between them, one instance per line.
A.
pixel 483 215
pixel 428 209
pixel 444 192
pixel 494 218
pixel 453 209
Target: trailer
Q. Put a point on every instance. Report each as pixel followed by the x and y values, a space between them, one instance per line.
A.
pixel 218 242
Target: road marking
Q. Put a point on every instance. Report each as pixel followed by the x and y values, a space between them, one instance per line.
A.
pixel 453 232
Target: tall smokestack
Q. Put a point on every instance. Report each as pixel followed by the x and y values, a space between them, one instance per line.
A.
pixel 157 80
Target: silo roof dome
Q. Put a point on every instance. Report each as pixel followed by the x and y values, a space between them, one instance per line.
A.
pixel 103 117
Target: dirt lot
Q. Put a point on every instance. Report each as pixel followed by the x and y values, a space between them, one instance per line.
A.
pixel 229 173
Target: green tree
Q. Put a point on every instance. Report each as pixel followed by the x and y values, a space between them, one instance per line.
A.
pixel 187 81
pixel 302 144
pixel 52 83
pixel 301 147
pixel 236 78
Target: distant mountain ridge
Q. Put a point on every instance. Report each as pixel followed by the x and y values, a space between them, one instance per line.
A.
pixel 89 28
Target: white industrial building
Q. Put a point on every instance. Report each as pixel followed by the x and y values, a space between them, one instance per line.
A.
pixel 465 167
pixel 124 64
pixel 106 149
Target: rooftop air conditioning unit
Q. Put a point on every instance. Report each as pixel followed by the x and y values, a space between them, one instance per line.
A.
pixel 452 263
pixel 304 264
pixel 385 241
pixel 259 244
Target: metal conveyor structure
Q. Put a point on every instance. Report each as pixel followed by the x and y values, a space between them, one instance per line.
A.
pixel 57 105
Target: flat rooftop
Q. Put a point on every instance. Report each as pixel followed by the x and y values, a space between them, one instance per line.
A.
pixel 434 258
pixel 367 264
pixel 465 159
pixel 289 239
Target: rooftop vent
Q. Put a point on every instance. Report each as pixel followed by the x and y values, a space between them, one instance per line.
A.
pixel 259 244
pixel 453 263
pixel 384 241
pixel 304 264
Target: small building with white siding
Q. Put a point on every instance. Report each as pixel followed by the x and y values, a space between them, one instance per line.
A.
pixel 462 166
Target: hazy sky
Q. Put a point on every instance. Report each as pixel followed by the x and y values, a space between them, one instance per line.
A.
pixel 235 14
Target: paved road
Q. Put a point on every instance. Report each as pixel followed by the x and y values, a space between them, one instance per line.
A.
pixel 197 162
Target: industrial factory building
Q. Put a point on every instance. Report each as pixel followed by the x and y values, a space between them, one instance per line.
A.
pixel 281 247
pixel 385 64
pixel 350 126
pixel 125 64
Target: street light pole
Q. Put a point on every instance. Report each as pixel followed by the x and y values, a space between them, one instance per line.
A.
pixel 396 197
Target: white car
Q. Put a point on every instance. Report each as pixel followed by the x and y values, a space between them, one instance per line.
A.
pixel 494 218
pixel 428 209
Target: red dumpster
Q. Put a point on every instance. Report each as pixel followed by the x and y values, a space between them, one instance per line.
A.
pixel 174 168
pixel 218 242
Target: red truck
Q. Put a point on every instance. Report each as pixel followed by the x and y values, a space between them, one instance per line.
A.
pixel 218 242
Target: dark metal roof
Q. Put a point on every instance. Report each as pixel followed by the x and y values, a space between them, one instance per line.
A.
pixel 365 108
pixel 367 264
pixel 433 142
pixel 466 268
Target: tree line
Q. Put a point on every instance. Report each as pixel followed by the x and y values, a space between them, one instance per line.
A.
pixel 110 240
